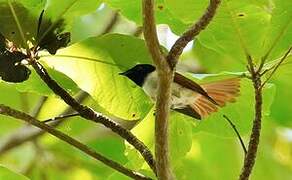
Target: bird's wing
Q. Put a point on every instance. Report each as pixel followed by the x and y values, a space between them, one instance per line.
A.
pixel 221 91
pixel 189 84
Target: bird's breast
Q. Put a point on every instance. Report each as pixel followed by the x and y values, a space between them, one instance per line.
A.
pixel 180 96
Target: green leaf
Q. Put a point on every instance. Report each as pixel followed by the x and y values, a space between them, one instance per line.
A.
pixel 35 85
pixel 257 27
pixel 180 138
pixel 187 10
pixel 18 23
pixel 238 26
pixel 279 37
pixel 132 11
pixel 95 66
pixel 215 62
pixel 7 174
pixel 281 108
pixel 70 9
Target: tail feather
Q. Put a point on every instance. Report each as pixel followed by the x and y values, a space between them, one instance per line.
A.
pixel 221 91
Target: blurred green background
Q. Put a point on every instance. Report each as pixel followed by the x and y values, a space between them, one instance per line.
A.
pixel 110 31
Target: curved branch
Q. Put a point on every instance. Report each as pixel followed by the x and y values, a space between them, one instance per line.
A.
pixel 165 79
pixel 178 47
pixel 7 111
pixel 91 115
pixel 28 133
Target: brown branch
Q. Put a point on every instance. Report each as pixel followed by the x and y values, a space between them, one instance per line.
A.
pixel 165 68
pixel 189 35
pixel 251 154
pixel 7 111
pixel 165 79
pixel 28 133
pixel 89 114
pixel 250 157
pixel 237 133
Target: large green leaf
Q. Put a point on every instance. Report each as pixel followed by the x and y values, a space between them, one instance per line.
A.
pixel 95 64
pixel 215 62
pixel 70 9
pixel 241 26
pixel 132 10
pixel 7 174
pixel 187 11
pixel 180 139
pixel 279 37
pixel 237 27
pixel 18 24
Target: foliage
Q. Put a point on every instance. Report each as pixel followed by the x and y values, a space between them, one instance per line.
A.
pixel 92 62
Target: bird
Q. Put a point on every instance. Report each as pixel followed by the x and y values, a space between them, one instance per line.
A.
pixel 188 97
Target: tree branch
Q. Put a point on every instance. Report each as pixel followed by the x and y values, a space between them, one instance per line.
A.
pixel 165 68
pixel 189 35
pixel 237 133
pixel 256 75
pixel 165 78
pixel 250 157
pixel 28 133
pixel 91 115
pixel 5 110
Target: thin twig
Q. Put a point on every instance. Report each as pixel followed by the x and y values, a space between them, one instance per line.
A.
pixel 7 111
pixel 237 133
pixel 189 35
pixel 91 115
pixel 165 79
pixel 62 117
pixel 277 66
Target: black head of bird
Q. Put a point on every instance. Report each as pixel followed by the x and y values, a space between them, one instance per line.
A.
pixel 139 73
